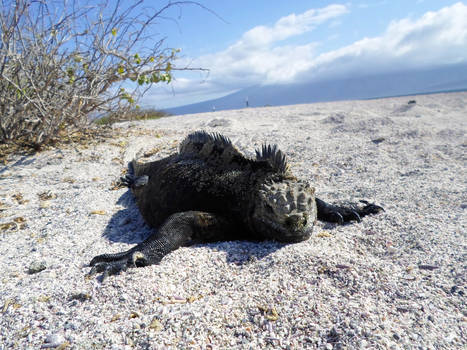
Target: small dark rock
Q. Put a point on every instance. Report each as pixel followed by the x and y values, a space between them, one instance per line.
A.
pixel 36 267
pixel 428 267
pixel 396 336
pixel 70 326
pixel 336 118
pixel 456 290
pixel 80 296
pixel 378 140
pixel 333 336
pixel 411 102
pixel 411 173
pixel 219 122
pixel 53 340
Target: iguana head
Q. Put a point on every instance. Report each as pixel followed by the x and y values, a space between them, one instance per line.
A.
pixel 284 210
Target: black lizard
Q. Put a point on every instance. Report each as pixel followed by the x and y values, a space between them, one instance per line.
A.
pixel 209 191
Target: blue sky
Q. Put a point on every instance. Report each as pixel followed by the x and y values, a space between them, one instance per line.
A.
pixel 258 42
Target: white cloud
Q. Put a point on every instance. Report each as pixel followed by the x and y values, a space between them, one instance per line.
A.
pixel 262 56
pixel 287 27
pixel 256 57
pixel 371 4
pixel 436 38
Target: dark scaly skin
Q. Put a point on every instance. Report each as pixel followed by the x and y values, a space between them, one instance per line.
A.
pixel 210 192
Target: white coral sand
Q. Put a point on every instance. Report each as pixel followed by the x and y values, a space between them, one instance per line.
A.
pixel 396 280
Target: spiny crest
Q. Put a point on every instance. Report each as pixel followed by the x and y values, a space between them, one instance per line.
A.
pixel 274 157
pixel 213 148
pixel 194 142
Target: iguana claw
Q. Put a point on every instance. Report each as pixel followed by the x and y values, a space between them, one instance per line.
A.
pixel 130 180
pixel 355 216
pixel 108 268
pixel 341 215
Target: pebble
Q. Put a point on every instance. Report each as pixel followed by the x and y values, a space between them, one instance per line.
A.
pixel 53 340
pixel 36 267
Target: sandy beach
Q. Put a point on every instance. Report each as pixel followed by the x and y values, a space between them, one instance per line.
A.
pixel 397 280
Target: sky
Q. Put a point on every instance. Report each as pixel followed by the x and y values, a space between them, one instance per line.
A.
pixel 245 43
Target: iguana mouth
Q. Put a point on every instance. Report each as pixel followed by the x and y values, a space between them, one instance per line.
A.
pixel 295 232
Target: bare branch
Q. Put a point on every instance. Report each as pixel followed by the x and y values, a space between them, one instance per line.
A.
pixel 62 62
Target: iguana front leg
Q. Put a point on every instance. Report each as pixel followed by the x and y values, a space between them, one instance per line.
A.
pixel 334 213
pixel 180 229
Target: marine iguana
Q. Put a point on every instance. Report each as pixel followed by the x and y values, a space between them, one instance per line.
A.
pixel 209 191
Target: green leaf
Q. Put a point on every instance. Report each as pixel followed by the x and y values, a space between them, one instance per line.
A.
pixel 137 58
pixel 127 97
pixel 155 78
pixel 114 31
pixel 166 77
pixel 120 70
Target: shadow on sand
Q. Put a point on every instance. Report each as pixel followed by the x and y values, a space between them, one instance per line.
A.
pixel 128 226
pixel 23 161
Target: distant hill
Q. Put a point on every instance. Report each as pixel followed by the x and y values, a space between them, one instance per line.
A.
pixel 446 78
